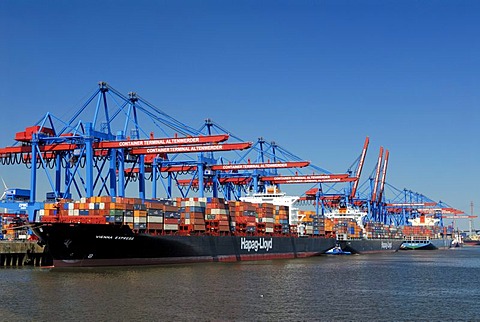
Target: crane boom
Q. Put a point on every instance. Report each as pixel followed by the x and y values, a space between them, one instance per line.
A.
pixel 377 175
pixel 163 142
pixel 193 148
pixel 384 175
pixel 118 144
pixel 250 166
pixel 359 168
pixel 332 180
pixel 234 180
pixel 412 204
pixel 43 148
pixel 309 178
pixel 458 217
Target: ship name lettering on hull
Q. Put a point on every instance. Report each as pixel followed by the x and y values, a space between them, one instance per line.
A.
pixel 256 244
pixel 387 245
pixel 115 237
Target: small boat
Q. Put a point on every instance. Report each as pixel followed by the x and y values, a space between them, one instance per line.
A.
pixel 457 241
pixel 471 240
pixel 337 250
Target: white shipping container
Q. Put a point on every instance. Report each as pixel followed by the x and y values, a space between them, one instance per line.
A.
pixel 139 220
pixel 216 211
pixel 269 220
pixel 91 205
pixel 155 219
pixel 170 227
pixel 268 230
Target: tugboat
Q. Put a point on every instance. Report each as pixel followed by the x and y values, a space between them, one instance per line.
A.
pixel 337 250
pixel 457 241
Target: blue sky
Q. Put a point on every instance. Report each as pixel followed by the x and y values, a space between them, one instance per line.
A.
pixel 316 77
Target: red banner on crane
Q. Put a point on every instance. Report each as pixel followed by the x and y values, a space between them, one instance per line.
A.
pixel 42 148
pixel 309 178
pixel 118 144
pixel 458 217
pixel 333 180
pixel 412 204
pixel 163 142
pixel 235 180
pixel 249 166
pixel 193 148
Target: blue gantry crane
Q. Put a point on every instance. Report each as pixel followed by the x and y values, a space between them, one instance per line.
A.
pixel 117 144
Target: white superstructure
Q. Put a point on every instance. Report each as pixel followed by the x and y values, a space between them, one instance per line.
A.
pixel 274 196
pixel 348 212
pixel 424 221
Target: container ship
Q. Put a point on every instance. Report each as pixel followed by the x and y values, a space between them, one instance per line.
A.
pixel 425 234
pixel 105 231
pixel 345 224
pixel 357 236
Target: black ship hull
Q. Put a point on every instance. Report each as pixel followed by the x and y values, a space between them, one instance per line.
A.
pixel 113 245
pixel 422 244
pixel 368 246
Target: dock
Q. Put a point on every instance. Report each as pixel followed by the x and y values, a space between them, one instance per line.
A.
pixel 23 253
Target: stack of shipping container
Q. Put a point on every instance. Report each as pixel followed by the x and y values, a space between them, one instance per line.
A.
pixel 214 216
pixel 181 215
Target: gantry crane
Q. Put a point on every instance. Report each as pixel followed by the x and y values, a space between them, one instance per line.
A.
pixel 87 158
pixel 83 158
pixel 124 141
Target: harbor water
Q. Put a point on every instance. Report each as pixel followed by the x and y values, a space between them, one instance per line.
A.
pixel 404 286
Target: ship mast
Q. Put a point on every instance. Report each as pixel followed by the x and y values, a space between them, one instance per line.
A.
pixel 471 219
